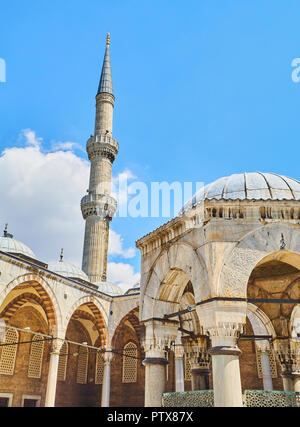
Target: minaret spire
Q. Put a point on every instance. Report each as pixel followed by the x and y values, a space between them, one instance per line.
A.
pixel 105 85
pixel 99 207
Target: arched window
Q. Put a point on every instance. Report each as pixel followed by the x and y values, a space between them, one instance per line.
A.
pixel 8 353
pixel 130 363
pixel 62 364
pixel 82 365
pixel 99 369
pixel 36 357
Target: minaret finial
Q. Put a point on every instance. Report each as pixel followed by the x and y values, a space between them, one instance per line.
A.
pixel 61 255
pixel 108 39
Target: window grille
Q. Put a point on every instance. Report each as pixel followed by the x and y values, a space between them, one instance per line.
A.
pixel 82 365
pixel 62 364
pixel 99 369
pixel 273 365
pixel 187 368
pixel 8 354
pixel 130 363
pixel 36 357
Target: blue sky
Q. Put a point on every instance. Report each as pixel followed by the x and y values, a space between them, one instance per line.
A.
pixel 203 88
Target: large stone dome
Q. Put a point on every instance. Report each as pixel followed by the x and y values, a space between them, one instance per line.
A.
pixel 11 245
pixel 250 186
pixel 67 269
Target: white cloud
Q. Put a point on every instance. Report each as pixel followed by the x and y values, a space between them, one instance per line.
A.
pixel 66 146
pixel 115 246
pixel 40 200
pixel 122 275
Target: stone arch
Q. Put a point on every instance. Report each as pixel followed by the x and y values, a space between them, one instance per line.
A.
pixel 264 325
pixel 279 242
pixel 47 298
pixel 133 317
pixel 14 305
pixel 179 259
pixel 100 316
pixel 295 322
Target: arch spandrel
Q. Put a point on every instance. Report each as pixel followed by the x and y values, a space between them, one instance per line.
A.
pixel 180 257
pixel 272 242
pixel 120 309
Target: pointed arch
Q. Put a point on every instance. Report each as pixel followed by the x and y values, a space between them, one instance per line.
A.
pixel 100 316
pixel 46 296
pixel 262 245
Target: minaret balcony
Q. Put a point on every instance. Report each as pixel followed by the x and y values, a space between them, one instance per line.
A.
pixel 101 205
pixel 102 145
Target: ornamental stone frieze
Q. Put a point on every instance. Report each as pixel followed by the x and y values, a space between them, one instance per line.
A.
pixel 101 205
pixel 103 146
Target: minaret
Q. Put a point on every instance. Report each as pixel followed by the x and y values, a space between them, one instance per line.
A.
pixel 99 207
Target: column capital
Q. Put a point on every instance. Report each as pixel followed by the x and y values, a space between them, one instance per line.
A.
pixel 108 356
pixel 222 320
pixel 225 334
pixel 179 348
pixel 56 345
pixel 197 352
pixel 159 336
pixel 288 355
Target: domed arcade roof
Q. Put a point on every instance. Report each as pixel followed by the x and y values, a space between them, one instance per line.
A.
pixel 250 186
pixel 67 269
pixel 109 288
pixel 11 245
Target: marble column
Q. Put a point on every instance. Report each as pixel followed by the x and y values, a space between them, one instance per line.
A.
pixel 288 382
pixel 52 373
pixel 226 366
pixel 296 382
pixel 105 401
pixel 179 365
pixel 199 377
pixel 264 352
pixel 155 379
pixel 159 336
pixel 224 321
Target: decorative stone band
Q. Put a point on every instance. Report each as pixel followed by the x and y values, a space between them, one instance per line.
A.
pixel 105 97
pixel 101 205
pixel 157 344
pixel 103 146
pixel 225 351
pixel 155 361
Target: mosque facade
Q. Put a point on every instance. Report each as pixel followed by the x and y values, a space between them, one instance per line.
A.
pixel 216 311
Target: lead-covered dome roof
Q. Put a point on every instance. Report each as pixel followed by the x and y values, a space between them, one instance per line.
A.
pixel 250 186
pixel 109 288
pixel 11 245
pixel 67 269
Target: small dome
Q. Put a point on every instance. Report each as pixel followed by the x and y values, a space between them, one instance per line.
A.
pixel 109 288
pixel 11 245
pixel 251 186
pixel 68 270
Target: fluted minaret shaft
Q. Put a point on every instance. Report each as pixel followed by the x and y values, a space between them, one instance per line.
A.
pixel 98 207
